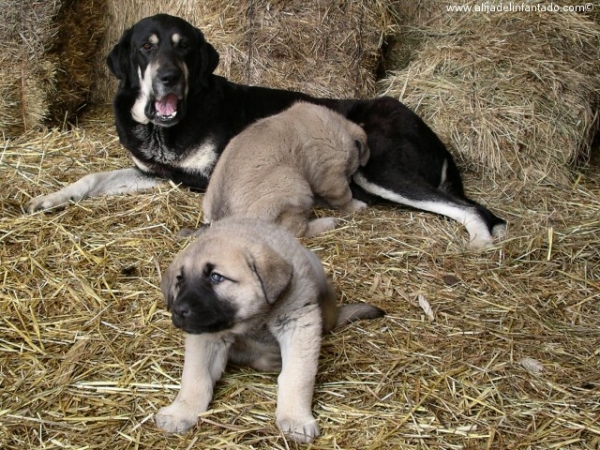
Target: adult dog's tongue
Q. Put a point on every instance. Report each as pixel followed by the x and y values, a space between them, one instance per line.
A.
pixel 166 106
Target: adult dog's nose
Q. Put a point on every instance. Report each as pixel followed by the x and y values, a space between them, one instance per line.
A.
pixel 170 77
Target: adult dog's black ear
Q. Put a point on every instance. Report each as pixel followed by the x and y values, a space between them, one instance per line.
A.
pixel 119 58
pixel 208 59
pixel 273 272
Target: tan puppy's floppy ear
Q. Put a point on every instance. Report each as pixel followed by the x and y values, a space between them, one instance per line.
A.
pixel 171 281
pixel 363 152
pixel 274 273
pixel 166 284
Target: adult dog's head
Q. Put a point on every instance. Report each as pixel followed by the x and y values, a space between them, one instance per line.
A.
pixel 224 280
pixel 162 59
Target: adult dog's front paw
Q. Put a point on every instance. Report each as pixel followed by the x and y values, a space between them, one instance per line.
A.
pixel 176 418
pixel 46 202
pixel 303 429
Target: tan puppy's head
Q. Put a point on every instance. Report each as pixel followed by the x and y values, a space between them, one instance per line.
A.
pixel 218 283
pixel 332 126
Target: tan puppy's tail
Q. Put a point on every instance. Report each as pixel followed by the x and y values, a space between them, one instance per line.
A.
pixel 357 311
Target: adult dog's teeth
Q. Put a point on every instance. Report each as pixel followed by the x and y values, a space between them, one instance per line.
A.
pixel 170 116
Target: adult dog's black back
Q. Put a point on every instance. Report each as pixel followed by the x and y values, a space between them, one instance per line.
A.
pixel 175 117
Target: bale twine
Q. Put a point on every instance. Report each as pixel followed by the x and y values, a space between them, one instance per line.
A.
pixel 322 47
pixel 513 93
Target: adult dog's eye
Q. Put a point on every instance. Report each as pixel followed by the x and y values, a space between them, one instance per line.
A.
pixel 183 44
pixel 147 46
pixel 216 278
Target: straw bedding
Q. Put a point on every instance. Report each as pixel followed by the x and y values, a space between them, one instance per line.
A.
pixel 487 350
pixel 508 359
pixel 512 93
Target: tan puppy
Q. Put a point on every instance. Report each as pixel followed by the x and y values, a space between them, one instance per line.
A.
pixel 247 292
pixel 276 167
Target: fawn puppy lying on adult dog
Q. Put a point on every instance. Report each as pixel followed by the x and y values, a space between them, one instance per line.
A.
pixel 246 291
pixel 274 168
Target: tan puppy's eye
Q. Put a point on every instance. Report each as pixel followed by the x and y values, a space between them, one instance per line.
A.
pixel 216 278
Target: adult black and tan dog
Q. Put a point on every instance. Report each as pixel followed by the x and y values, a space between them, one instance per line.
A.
pixel 175 117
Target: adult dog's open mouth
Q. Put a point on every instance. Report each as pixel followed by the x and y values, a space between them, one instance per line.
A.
pixel 166 107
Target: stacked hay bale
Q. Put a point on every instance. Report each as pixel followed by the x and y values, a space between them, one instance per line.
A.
pixel 45 53
pixel 320 47
pixel 513 93
pixel 82 25
pixel 323 48
pixel 27 74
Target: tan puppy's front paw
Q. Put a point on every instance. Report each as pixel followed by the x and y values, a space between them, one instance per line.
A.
pixel 176 418
pixel 303 430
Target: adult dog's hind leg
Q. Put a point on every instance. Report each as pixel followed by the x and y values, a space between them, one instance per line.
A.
pixel 204 363
pixel 116 182
pixel 481 224
pixel 451 183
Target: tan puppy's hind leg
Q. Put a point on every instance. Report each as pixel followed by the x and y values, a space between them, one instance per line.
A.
pixel 355 205
pixel 321 225
pixel 337 193
pixel 262 356
pixel 297 222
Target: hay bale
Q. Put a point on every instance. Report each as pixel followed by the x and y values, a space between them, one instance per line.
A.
pixel 45 53
pixel 322 47
pixel 81 26
pixel 27 75
pixel 511 92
